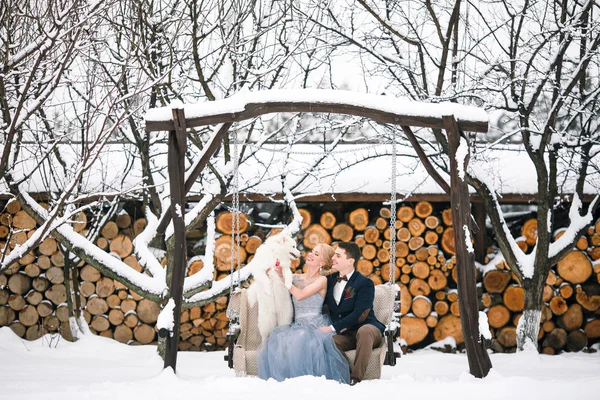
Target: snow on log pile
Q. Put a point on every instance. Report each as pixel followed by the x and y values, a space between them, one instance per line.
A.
pixel 33 291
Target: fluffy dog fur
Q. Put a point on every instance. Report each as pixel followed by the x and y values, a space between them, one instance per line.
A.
pixel 274 301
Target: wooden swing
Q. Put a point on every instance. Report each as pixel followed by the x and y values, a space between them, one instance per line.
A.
pixel 451 117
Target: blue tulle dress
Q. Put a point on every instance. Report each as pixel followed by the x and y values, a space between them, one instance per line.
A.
pixel 300 348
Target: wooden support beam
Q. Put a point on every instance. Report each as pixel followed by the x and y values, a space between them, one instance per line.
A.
pixel 176 167
pixel 479 360
pixel 358 197
pixel 480 247
pixel 209 149
pixel 251 105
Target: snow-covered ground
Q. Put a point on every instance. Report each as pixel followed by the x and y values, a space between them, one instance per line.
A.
pixel 100 368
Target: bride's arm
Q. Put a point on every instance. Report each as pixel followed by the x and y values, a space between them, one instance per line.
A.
pixel 309 290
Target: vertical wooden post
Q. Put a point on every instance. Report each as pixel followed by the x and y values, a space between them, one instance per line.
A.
pixel 479 215
pixel 176 157
pixel 479 360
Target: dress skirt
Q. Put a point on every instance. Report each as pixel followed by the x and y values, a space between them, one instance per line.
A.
pixel 301 349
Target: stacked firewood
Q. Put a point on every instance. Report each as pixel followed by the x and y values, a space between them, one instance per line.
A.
pixel 425 271
pixel 570 313
pixel 424 263
pixel 33 292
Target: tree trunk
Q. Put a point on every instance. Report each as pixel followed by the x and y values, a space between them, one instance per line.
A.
pixel 529 324
pixel 71 284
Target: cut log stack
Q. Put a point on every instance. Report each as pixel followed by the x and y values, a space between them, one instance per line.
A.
pixel 424 260
pixel 32 291
pixel 571 296
pixel 33 294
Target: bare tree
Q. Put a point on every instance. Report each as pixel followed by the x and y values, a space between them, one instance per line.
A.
pixel 138 55
pixel 544 77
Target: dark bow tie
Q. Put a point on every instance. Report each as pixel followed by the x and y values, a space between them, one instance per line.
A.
pixel 342 278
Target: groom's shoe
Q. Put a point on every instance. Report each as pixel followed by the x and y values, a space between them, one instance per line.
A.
pixel 354 381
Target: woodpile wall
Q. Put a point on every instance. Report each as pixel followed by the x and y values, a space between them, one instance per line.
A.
pixel 33 292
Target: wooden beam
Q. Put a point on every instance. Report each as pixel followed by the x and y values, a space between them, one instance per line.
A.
pixel 176 167
pixel 478 211
pixel 508 198
pixel 478 358
pixel 234 110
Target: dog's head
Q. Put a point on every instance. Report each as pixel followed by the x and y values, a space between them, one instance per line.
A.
pixel 284 246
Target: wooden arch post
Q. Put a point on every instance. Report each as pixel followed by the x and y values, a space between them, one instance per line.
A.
pixel 479 360
pixel 179 188
pixel 176 167
pixel 395 112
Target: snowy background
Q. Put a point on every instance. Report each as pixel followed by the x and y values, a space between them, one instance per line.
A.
pixel 100 368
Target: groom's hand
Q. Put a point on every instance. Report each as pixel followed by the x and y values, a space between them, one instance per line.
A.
pixel 326 329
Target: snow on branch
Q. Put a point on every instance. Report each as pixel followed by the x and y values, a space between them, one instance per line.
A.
pixel 95 256
pixel 37 236
pixel 191 215
pixel 165 318
pixel 578 222
pixel 205 275
pixel 524 261
pixel 294 226
pixel 145 256
pixel 219 288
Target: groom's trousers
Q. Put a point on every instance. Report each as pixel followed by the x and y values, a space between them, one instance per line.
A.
pixel 364 340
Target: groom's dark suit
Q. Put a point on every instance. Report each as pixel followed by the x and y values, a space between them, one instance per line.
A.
pixel 356 304
pixel 353 319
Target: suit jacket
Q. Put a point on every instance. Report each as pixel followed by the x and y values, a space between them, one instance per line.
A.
pixel 356 305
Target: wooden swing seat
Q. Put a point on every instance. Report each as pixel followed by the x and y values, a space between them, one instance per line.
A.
pixel 249 340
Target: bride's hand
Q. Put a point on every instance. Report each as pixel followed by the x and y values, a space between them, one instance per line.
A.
pixel 279 271
pixel 325 329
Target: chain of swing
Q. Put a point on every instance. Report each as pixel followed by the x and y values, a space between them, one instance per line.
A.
pixel 235 256
pixel 394 304
pixel 235 215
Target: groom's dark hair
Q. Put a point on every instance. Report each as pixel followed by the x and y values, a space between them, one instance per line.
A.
pixel 352 250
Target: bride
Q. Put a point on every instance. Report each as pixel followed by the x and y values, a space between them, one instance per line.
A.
pixel 300 348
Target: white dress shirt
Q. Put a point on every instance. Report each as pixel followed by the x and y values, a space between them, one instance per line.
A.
pixel 339 287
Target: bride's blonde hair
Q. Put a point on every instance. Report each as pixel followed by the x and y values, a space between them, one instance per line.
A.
pixel 326 252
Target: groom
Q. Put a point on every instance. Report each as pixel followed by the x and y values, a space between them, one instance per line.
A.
pixel 350 298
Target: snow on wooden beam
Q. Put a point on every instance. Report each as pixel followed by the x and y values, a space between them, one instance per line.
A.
pixel 382 109
pixel 507 198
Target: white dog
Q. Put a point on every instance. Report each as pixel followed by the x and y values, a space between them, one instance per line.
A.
pixel 274 301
